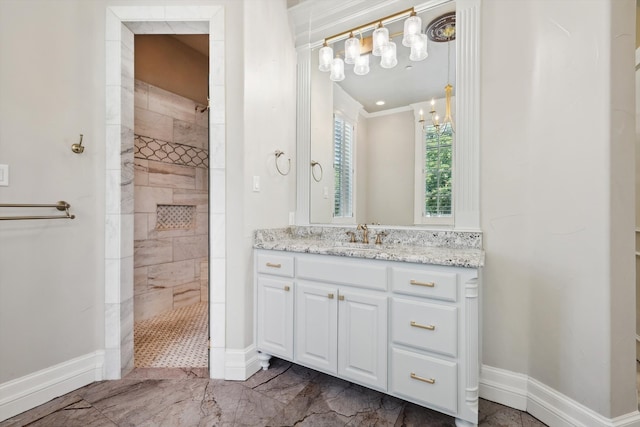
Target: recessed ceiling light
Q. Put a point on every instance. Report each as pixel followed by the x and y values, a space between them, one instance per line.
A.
pixel 379 102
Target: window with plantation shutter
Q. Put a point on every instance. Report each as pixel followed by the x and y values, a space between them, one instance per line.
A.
pixel 343 135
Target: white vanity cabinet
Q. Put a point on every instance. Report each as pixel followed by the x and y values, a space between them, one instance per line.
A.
pixel 274 304
pixel 408 329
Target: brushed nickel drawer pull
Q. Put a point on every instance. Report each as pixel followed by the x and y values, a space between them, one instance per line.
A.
pixel 426 380
pixel 287 288
pixel 330 296
pixel 427 284
pixel 269 264
pixel 418 325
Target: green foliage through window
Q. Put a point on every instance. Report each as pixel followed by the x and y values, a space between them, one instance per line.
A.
pixel 437 172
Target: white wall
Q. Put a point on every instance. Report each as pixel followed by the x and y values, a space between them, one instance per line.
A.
pixel 52 85
pixel 51 271
pixel 557 196
pixel 269 123
pixel 390 174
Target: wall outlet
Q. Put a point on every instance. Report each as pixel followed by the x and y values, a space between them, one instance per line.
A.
pixel 4 175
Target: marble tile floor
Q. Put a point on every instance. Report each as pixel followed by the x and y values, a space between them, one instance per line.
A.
pixel 285 395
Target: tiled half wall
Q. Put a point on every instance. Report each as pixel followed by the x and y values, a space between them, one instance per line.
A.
pixel 170 202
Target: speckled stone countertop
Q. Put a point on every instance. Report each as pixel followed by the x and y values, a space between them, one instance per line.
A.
pixel 451 248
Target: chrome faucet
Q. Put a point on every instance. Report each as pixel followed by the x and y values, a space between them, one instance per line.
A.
pixel 365 233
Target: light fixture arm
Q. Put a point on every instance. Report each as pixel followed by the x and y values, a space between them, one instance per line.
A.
pixel 369 26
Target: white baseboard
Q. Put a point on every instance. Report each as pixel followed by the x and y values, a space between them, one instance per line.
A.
pixel 549 406
pixel 241 364
pixel 21 394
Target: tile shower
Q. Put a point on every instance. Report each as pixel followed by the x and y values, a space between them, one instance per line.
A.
pixel 171 202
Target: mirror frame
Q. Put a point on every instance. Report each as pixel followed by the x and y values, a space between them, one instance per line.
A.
pixel 466 197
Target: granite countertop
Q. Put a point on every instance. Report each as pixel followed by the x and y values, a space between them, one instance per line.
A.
pixel 449 248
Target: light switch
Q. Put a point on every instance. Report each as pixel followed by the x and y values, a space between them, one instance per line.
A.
pixel 325 192
pixel 4 175
pixel 256 183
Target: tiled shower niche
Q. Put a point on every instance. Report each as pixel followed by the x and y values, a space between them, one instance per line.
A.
pixel 171 202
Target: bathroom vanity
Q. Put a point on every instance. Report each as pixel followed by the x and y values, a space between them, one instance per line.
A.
pixel 401 317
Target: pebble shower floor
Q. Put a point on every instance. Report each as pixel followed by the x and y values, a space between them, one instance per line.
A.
pixel 177 339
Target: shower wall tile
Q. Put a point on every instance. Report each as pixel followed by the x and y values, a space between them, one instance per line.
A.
pixel 190 247
pixel 204 281
pixel 112 275
pixel 217 101
pixel 217 146
pixel 126 185
pixel 113 57
pixel 216 26
pixel 141 94
pixel 140 281
pixel 112 139
pixel 202 119
pixel 171 176
pixel 112 331
pixel 141 171
pixel 113 105
pixel 191 134
pixel 217 285
pixel 126 335
pixel 113 191
pixel 202 179
pixel 172 274
pixel 192 197
pixel 202 223
pixel 152 303
pixel 126 278
pixel 153 124
pixel 217 192
pixel 186 294
pixel 155 251
pixel 112 236
pixel 127 109
pixel 128 78
pixel 147 198
pixel 172 105
pixel 126 228
pixel 140 226
pixel 216 63
pixel 218 230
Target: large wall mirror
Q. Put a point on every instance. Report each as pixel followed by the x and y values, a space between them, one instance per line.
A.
pixel 364 155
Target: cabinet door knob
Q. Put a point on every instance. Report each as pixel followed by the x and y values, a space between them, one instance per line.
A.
pixel 340 297
pixel 427 284
pixel 426 380
pixel 270 264
pixel 428 327
pixel 287 288
pixel 330 296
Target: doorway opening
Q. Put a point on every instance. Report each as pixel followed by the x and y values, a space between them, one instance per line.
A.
pixel 122 23
pixel 171 228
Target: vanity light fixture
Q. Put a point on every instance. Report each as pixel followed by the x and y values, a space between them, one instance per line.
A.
pixel 379 44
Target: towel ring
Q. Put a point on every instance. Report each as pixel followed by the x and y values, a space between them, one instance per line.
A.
pixel 278 154
pixel 313 170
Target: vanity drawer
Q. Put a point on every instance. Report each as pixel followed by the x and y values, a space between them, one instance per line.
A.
pixel 426 326
pixel 424 283
pixel 425 380
pixel 364 274
pixel 278 265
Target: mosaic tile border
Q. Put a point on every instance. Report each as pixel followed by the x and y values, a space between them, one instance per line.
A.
pixel 149 148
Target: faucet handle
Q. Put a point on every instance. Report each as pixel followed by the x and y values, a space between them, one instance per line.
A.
pixel 379 236
pixel 352 236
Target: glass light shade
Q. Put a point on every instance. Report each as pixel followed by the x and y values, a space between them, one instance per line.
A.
pixel 351 50
pixel 325 58
pixel 362 65
pixel 389 59
pixel 419 48
pixel 412 27
pixel 380 40
pixel 337 70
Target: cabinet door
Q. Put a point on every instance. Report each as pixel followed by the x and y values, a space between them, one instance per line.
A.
pixel 316 326
pixel 275 317
pixel 362 338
